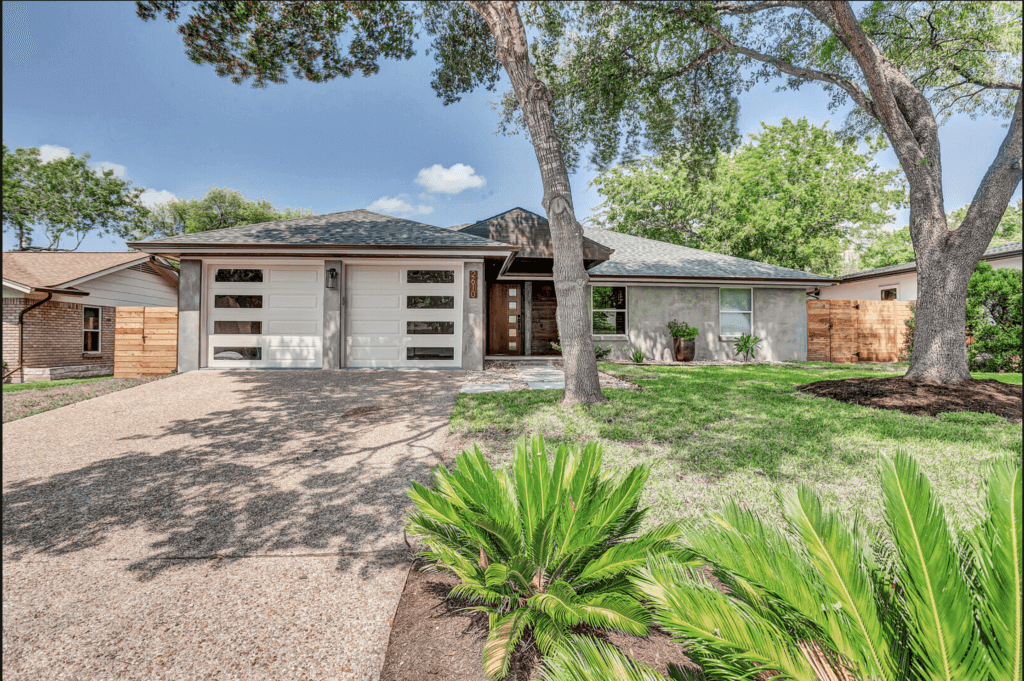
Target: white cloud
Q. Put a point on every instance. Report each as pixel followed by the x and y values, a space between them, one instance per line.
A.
pixel 154 197
pixel 51 152
pixel 107 165
pixel 398 206
pixel 452 180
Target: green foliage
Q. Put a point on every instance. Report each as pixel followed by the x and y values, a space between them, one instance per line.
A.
pixel 887 248
pixel 684 330
pixel 600 353
pixel 1009 229
pixel 65 197
pixel 218 209
pixel 746 345
pixel 795 196
pixel 541 548
pixel 908 339
pixel 584 658
pixel 636 355
pixel 994 318
pixel 934 605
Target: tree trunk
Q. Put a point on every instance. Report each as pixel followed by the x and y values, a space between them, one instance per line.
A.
pixel 570 278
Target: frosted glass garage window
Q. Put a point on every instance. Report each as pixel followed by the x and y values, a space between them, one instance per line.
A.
pixel 238 354
pixel 239 276
pixel 230 327
pixel 446 328
pixel 430 302
pixel 736 310
pixel 238 301
pixel 430 353
pixel 430 277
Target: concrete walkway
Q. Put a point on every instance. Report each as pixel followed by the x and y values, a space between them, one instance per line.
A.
pixel 229 525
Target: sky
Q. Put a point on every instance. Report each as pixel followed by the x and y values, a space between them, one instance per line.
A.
pixel 92 77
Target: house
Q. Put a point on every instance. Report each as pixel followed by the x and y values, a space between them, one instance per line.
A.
pixel 361 289
pixel 899 282
pixel 59 309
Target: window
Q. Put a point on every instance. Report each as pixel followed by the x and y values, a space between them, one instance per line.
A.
pixel 238 354
pixel 239 276
pixel 430 277
pixel 735 311
pixel 608 304
pixel 238 301
pixel 430 353
pixel 91 321
pixel 447 328
pixel 430 302
pixel 238 327
pixel 890 294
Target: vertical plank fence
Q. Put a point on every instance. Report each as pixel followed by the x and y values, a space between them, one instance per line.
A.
pixel 846 331
pixel 145 341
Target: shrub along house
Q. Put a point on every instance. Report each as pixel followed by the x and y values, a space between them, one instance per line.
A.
pixel 361 289
pixel 59 309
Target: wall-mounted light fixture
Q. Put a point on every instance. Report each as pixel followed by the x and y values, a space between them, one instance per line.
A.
pixel 332 278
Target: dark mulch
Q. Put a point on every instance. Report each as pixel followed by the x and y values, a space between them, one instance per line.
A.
pixel 434 638
pixel 987 396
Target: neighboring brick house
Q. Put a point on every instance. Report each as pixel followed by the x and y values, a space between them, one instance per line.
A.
pixel 59 307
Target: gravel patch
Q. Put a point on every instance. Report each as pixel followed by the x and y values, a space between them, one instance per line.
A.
pixel 22 403
pixel 216 524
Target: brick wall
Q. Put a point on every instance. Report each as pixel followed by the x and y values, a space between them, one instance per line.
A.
pixel 53 338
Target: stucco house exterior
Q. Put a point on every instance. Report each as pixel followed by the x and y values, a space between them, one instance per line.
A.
pixel 58 309
pixel 361 289
pixel 899 282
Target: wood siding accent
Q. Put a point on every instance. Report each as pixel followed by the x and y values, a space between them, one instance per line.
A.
pixel 146 341
pixel 498 337
pixel 846 331
pixel 544 322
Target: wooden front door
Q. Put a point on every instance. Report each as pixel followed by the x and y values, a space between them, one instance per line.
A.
pixel 505 325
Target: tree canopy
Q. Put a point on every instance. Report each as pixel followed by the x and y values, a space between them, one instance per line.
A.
pixel 796 195
pixel 66 198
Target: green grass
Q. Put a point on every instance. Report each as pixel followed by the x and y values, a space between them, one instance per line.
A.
pixel 711 434
pixel 42 385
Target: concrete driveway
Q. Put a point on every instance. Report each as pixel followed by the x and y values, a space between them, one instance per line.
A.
pixel 229 525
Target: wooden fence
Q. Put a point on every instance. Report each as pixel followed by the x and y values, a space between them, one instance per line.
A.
pixel 856 330
pixel 145 341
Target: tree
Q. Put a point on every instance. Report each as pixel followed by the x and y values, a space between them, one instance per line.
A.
pixel 907 66
pixel 66 197
pixel 796 196
pixel 1009 229
pixel 218 209
pixel 471 43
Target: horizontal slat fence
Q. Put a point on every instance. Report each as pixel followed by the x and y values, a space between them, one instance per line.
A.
pixel 846 331
pixel 145 341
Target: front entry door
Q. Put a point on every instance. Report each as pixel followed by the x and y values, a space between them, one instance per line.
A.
pixel 505 328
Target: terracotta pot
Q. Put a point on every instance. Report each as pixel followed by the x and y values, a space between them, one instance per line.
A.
pixel 684 349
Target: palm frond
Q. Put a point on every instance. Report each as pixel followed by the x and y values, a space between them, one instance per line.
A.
pixel 502 639
pixel 614 611
pixel 582 658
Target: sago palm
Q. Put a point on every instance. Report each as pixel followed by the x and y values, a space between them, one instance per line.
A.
pixel 818 601
pixel 541 548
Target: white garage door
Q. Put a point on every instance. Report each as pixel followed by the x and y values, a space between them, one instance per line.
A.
pixel 404 315
pixel 265 316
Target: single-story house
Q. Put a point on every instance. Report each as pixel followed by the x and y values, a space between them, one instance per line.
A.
pixel 59 308
pixel 899 282
pixel 361 289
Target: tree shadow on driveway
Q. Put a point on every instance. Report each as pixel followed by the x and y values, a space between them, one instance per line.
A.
pixel 229 465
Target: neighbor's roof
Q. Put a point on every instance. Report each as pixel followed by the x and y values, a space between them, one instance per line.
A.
pixel 991 253
pixel 638 257
pixel 348 228
pixel 45 270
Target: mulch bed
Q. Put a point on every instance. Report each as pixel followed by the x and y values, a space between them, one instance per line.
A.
pixel 435 638
pixel 987 396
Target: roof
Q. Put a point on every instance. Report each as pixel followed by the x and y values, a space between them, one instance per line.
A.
pixel 42 270
pixel 991 253
pixel 636 256
pixel 347 228
pixel 530 231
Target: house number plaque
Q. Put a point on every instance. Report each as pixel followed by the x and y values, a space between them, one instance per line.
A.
pixel 472 283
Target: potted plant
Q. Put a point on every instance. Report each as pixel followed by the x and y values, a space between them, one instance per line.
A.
pixel 682 340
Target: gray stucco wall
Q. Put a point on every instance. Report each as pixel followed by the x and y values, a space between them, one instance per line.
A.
pixel 190 293
pixel 332 318
pixel 473 319
pixel 780 319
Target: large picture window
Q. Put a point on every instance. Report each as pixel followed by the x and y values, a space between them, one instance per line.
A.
pixel 608 305
pixel 736 311
pixel 92 319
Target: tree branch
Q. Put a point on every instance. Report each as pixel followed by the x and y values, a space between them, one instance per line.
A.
pixel 990 84
pixel 735 8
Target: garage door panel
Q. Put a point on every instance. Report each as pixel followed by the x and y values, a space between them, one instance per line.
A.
pixel 293 354
pixel 375 302
pixel 292 341
pixel 373 276
pixel 360 353
pixel 291 327
pixel 295 302
pixel 282 275
pixel 374 326
pixel 376 341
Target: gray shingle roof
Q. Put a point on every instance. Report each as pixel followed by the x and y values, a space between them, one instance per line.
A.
pixel 991 252
pixel 348 228
pixel 639 257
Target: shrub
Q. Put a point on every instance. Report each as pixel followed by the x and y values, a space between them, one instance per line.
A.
pixel 541 548
pixel 934 606
pixel 908 340
pixel 746 345
pixel 994 318
pixel 599 352
pixel 635 355
pixel 683 330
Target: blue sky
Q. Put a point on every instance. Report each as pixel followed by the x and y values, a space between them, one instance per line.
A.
pixel 93 77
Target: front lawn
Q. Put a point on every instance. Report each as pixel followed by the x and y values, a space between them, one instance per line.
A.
pixel 711 434
pixel 26 399
pixel 43 385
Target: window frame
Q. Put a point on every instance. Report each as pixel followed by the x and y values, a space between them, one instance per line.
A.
pixel 749 312
pixel 98 331
pixel 882 288
pixel 592 310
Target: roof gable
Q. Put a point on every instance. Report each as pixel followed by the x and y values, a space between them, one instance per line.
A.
pixel 43 269
pixel 531 233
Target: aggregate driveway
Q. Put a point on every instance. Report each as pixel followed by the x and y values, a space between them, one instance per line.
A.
pixel 216 524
